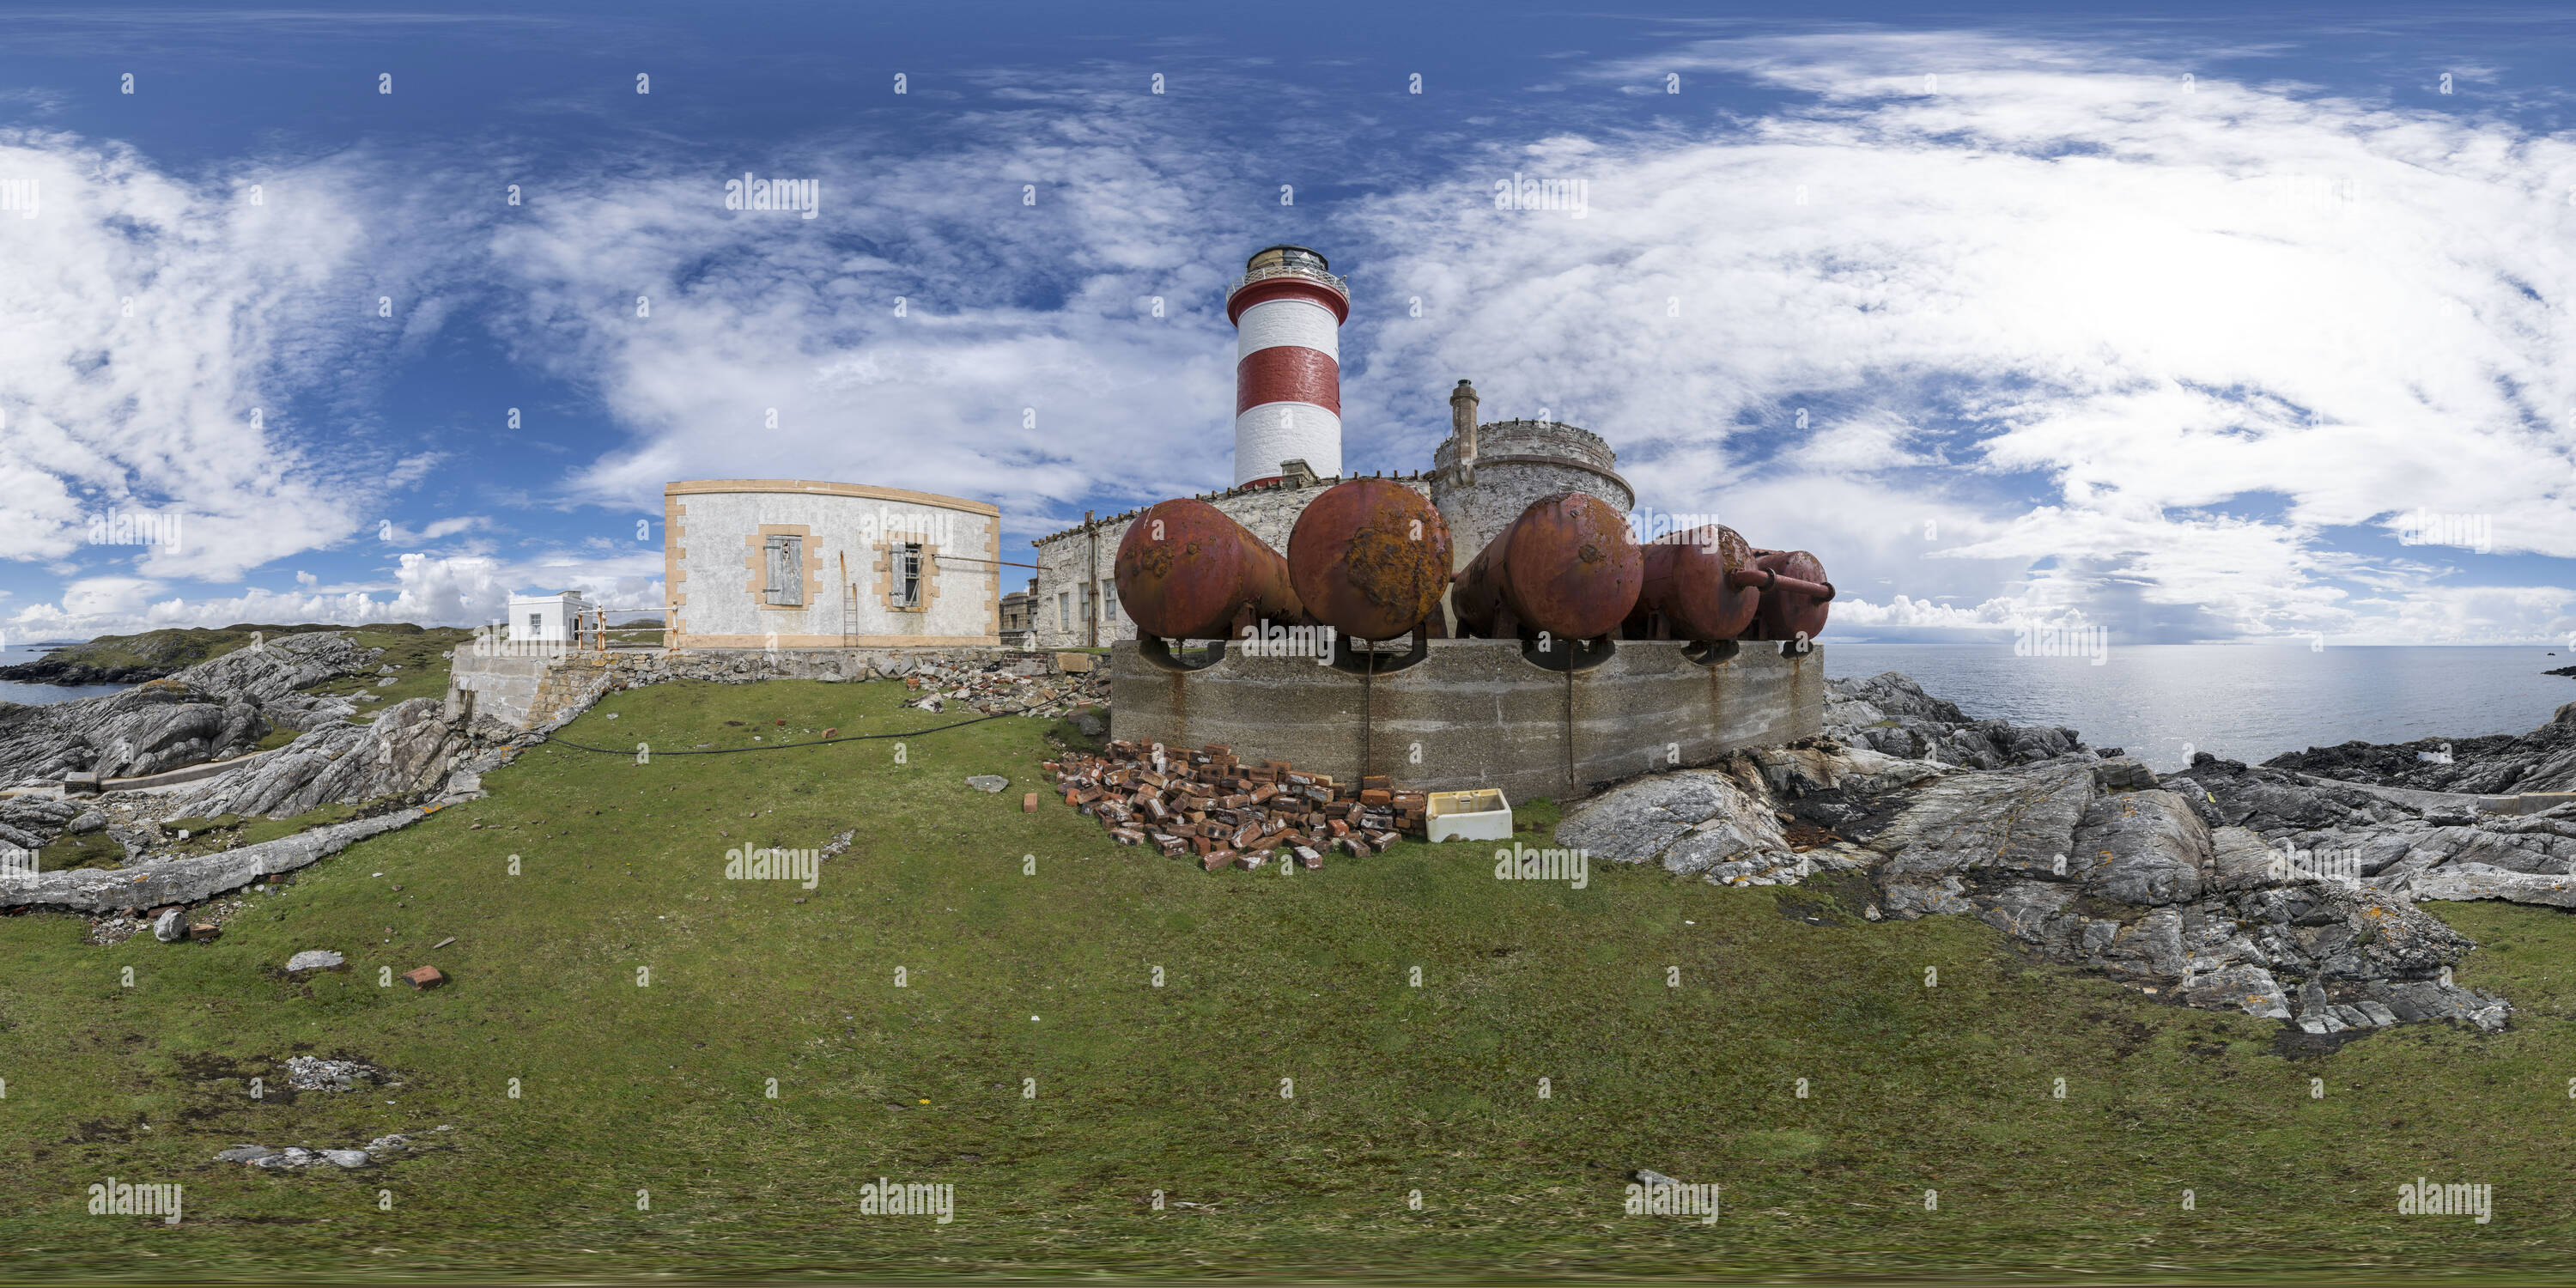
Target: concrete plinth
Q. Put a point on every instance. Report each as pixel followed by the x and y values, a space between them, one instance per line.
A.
pixel 1475 713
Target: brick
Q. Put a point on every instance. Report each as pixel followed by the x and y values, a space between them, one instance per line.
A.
pixel 205 932
pixel 1373 782
pixel 1028 803
pixel 1376 796
pixel 1309 856
pixel 1253 860
pixel 425 977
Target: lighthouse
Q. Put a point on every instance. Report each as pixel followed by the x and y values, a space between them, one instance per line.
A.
pixel 1287 311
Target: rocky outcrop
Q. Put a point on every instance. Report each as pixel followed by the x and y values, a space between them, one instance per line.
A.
pixel 2145 887
pixel 408 750
pixel 1890 713
pixel 2543 760
pixel 2252 889
pixel 211 711
pixel 156 883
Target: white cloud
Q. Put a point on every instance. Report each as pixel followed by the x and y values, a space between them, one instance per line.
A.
pixel 2162 337
pixel 149 318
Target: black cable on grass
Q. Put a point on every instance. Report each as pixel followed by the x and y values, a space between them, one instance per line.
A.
pixel 791 746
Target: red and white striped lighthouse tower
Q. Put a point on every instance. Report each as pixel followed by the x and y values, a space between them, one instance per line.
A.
pixel 1287 311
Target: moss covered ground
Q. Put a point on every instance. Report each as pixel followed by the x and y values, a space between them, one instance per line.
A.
pixel 970 996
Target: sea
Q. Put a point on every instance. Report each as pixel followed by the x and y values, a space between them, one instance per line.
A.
pixel 36 695
pixel 2246 702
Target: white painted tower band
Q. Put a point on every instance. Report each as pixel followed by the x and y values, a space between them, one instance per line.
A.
pixel 1287 310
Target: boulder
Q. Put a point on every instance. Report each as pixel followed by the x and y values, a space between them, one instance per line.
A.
pixel 315 959
pixel 170 927
pixel 988 782
pixel 408 750
pixel 1690 821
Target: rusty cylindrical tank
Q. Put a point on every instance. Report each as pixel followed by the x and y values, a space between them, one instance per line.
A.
pixel 1186 571
pixel 1689 580
pixel 1567 566
pixel 1369 558
pixel 1794 594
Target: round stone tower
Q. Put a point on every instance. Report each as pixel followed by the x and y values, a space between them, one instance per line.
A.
pixel 1484 475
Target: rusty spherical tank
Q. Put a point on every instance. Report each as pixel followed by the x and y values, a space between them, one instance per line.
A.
pixel 1369 558
pixel 1567 567
pixel 1688 580
pixel 1795 595
pixel 1186 571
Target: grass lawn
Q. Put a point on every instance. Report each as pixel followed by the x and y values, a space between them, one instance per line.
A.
pixel 1672 1020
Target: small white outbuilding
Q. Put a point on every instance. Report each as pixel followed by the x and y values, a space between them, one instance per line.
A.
pixel 555 618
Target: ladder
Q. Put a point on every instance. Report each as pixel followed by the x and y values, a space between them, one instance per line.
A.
pixel 849 605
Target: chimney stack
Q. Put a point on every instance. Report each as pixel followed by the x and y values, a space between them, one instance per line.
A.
pixel 1462 424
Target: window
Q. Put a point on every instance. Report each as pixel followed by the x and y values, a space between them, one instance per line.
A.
pixel 1064 610
pixel 536 626
pixel 1109 601
pixel 907 576
pixel 786 564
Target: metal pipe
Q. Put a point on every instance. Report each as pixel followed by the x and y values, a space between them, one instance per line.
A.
pixel 1765 579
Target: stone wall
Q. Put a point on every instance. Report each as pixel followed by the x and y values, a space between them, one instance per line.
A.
pixel 526 691
pixel 1552 457
pixel 1475 713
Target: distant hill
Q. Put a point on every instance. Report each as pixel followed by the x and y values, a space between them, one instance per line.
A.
pixel 134 659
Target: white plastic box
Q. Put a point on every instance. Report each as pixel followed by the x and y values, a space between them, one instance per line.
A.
pixel 1480 815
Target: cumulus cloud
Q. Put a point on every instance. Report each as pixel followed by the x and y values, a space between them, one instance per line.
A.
pixel 1029 322
pixel 171 343
pixel 2159 339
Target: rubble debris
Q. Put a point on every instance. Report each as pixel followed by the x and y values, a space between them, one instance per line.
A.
pixel 315 959
pixel 425 977
pixel 988 782
pixel 313 1073
pixel 1211 806
pixel 1001 687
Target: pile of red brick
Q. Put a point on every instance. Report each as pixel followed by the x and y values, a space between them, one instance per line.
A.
pixel 1230 814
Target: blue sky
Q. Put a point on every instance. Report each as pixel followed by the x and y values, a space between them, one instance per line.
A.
pixel 2198 323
